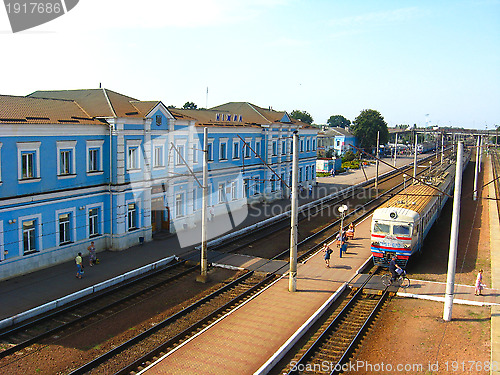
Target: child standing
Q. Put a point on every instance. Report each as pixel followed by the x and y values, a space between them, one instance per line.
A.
pixel 479 283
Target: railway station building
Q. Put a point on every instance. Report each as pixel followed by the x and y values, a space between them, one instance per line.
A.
pixel 95 165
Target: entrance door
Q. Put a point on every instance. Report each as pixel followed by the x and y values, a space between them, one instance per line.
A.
pixel 157 214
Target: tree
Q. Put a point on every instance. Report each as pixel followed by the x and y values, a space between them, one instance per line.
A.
pixel 338 121
pixel 365 128
pixel 302 116
pixel 189 105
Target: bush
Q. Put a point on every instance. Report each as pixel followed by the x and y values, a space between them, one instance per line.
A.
pixel 348 156
pixel 354 164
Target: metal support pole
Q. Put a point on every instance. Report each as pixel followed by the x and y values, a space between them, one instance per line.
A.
pixel 480 152
pixel 396 149
pixel 415 159
pixel 376 163
pixel 455 222
pixel 476 171
pixel 442 148
pixel 204 259
pixel 292 281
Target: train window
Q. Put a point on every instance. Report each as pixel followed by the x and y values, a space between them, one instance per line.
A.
pixel 401 230
pixel 381 228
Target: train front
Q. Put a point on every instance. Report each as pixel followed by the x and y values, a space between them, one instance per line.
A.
pixel 393 231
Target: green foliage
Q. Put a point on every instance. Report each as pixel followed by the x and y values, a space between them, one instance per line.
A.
pixel 330 153
pixel 302 116
pixel 323 174
pixel 338 121
pixel 365 128
pixel 348 156
pixel 189 105
pixel 353 164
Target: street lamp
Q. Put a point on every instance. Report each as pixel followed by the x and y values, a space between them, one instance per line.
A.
pixel 342 209
pixel 404 181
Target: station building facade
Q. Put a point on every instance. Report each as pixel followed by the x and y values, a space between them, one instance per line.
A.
pixel 95 165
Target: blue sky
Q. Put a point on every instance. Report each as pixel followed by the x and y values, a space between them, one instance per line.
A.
pixel 405 59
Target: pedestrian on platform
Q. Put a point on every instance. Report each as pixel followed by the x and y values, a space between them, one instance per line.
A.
pixel 328 252
pixel 92 257
pixel 310 190
pixel 343 247
pixel 211 213
pixel 79 266
pixel 350 231
pixel 479 283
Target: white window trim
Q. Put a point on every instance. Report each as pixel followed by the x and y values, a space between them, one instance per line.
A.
pixel 138 213
pixel 248 141
pixel 161 145
pixel 221 187
pixel 223 141
pixel 28 146
pixel 183 201
pixel 92 144
pixel 211 143
pixel 131 144
pixel 72 223
pixel 234 143
pixel 39 243
pixel 66 145
pixel 177 159
pixel 89 207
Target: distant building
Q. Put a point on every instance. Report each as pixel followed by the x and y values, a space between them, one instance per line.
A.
pixel 338 139
pixel 95 165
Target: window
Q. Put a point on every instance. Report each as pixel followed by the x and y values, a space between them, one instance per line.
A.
pixel 93 160
pixel 257 148
pixel 28 161
pixel 180 155
pixel 210 150
pixel 132 158
pixel 275 148
pixel 64 229
pixel 133 162
pixel 236 150
pixel 195 154
pixel 158 156
pixel 283 147
pixel 65 162
pixel 381 228
pixel 234 191
pixel 132 216
pixel 28 165
pixel 179 204
pixel 223 151
pixel 402 230
pixel 314 145
pixel 66 158
pixel 94 156
pixel 158 120
pixel 93 222
pixel 223 148
pixel 301 145
pixel 247 147
pixel 222 193
pixel 308 144
pixel 29 236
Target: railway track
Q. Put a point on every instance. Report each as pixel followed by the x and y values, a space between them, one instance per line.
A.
pixel 88 310
pixel 133 355
pixel 332 342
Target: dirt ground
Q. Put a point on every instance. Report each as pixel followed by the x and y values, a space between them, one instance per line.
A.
pixel 410 336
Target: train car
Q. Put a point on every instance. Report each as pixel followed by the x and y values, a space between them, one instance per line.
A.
pixel 400 225
pixel 425 147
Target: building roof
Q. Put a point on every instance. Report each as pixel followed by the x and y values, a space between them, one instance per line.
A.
pixel 100 102
pixel 29 110
pixel 236 114
pixel 334 132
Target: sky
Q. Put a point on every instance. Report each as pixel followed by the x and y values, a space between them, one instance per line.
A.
pixel 423 62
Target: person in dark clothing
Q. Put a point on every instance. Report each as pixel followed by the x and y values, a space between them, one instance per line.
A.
pixel 393 266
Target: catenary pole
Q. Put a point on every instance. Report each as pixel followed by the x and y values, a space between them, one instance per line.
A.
pixel 455 222
pixel 415 158
pixel 396 149
pixel 376 163
pixel 292 281
pixel 204 263
pixel 480 153
pixel 476 170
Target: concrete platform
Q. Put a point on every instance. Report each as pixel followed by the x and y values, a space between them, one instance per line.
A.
pixel 247 262
pixel 245 339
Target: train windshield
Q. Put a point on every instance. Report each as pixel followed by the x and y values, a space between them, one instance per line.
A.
pixel 401 230
pixel 381 228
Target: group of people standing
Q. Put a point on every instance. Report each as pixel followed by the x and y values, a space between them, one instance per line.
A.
pixel 79 260
pixel 341 240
